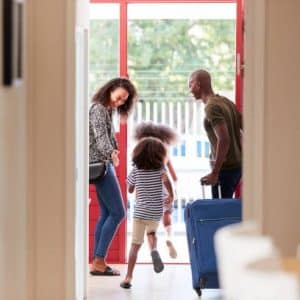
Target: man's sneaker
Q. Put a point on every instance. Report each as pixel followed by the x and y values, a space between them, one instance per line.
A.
pixel 172 250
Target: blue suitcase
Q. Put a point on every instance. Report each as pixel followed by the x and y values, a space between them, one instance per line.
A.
pixel 202 219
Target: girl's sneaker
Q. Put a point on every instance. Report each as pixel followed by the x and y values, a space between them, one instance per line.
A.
pixel 172 250
pixel 157 262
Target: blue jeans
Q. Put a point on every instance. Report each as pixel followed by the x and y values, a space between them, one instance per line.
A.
pixel 111 211
pixel 228 179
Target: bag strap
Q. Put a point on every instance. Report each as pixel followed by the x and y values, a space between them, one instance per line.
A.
pixel 106 161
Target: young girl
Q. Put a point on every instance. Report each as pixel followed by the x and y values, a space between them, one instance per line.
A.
pixel 168 136
pixel 147 177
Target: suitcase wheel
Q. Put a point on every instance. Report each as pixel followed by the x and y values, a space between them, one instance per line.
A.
pixel 202 284
pixel 198 291
pixel 203 281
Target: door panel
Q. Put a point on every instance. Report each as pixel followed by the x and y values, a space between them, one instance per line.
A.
pixel 104 65
pixel 166 43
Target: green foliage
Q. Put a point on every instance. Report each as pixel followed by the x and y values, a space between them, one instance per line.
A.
pixel 162 54
pixel 103 52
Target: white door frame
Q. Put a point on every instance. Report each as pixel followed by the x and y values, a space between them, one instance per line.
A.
pixel 81 151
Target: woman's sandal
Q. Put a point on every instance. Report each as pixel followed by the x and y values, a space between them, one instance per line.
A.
pixel 125 285
pixel 107 272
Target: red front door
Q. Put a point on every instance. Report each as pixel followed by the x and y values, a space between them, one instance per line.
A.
pixel 117 252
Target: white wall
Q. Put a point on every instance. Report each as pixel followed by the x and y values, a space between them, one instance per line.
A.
pixel 51 148
pixel 282 200
pixel 272 106
pixel 12 192
pixel 38 160
pixel 12 188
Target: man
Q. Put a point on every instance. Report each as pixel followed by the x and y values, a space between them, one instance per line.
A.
pixel 223 125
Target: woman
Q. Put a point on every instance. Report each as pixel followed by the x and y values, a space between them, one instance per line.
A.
pixel 117 94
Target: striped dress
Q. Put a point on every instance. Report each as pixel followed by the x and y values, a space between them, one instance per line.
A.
pixel 149 190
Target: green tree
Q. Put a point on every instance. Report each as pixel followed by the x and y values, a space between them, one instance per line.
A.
pixel 103 52
pixel 162 53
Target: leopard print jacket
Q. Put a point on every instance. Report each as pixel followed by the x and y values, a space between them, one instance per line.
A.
pixel 101 133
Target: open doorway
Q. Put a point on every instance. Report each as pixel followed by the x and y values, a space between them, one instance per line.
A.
pixel 166 42
pixel 158 45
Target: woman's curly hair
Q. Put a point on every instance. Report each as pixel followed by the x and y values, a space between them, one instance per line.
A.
pixel 163 132
pixel 149 154
pixel 103 94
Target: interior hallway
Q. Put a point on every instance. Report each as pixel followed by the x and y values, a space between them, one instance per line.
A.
pixel 37 149
pixel 174 283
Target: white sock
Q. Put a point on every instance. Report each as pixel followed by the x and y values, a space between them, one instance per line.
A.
pixel 168 232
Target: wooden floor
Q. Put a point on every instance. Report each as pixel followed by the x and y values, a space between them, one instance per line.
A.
pixel 173 283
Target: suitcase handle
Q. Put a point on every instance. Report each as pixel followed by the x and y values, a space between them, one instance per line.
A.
pixel 203 190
